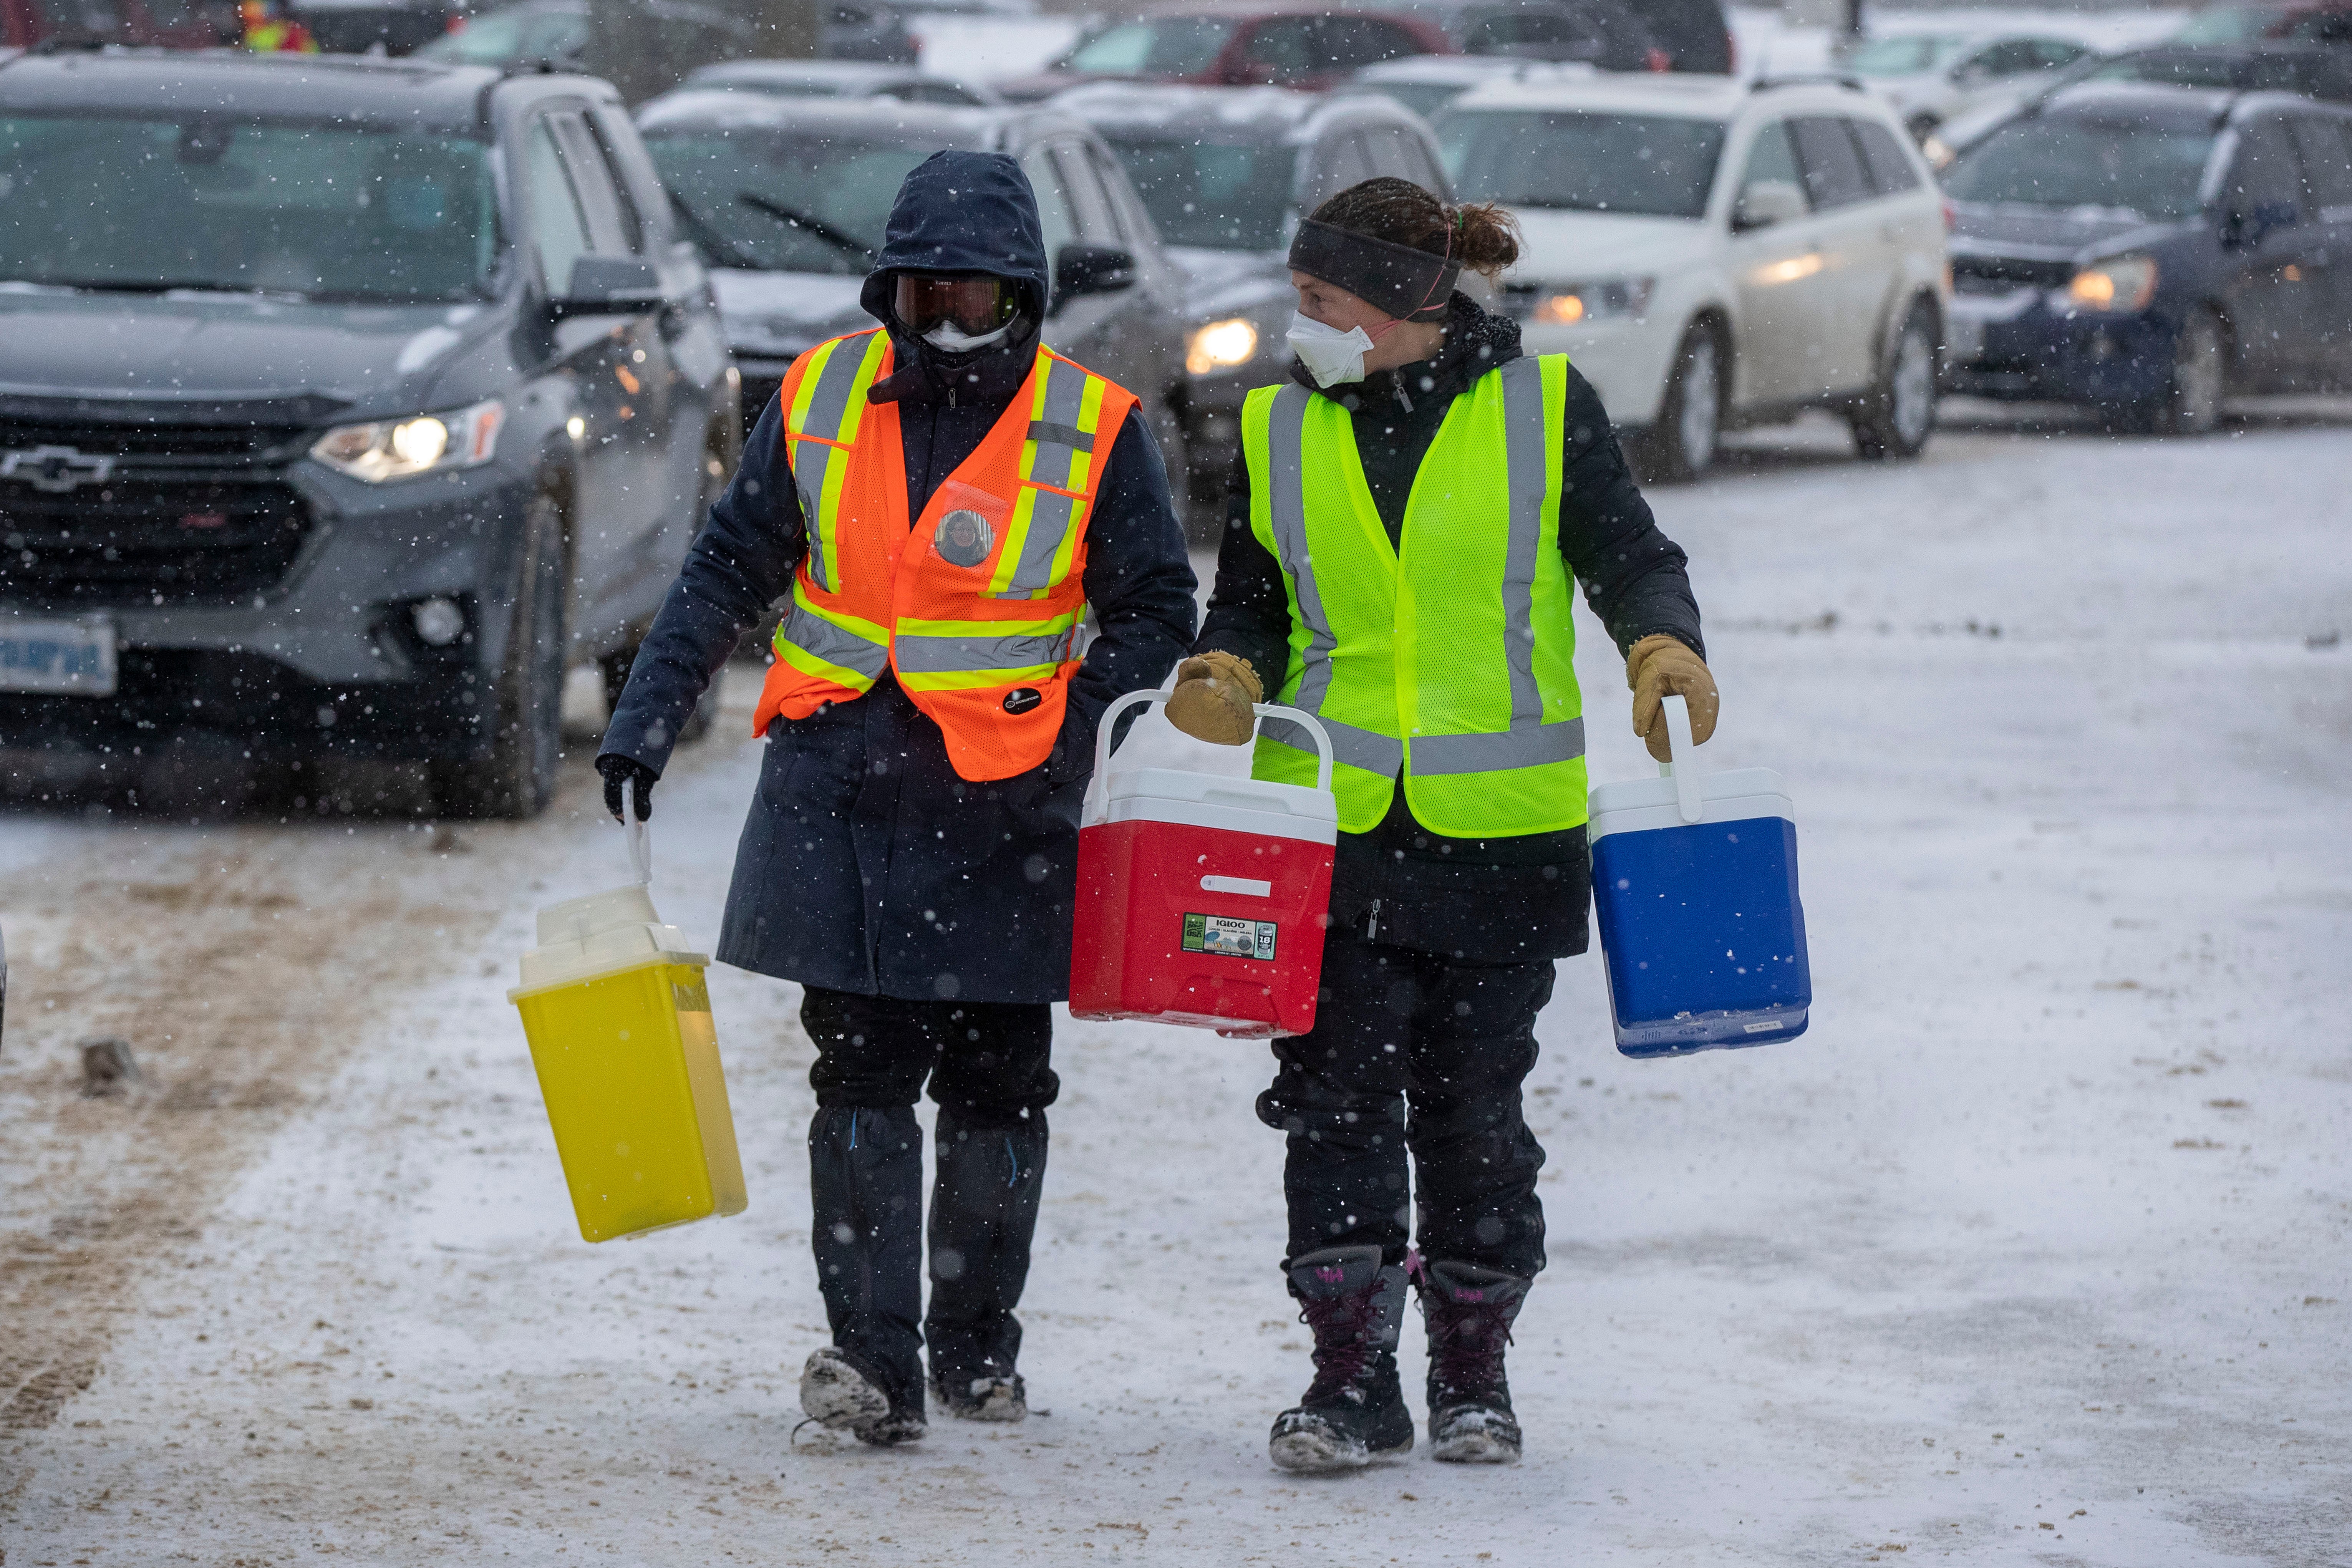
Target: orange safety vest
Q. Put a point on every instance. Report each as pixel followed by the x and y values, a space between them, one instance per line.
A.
pixel 978 621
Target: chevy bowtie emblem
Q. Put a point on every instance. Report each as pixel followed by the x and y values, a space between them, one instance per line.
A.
pixel 55 468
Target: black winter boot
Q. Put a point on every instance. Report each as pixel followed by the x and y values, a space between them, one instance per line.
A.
pixel 1354 1411
pixel 984 1214
pixel 865 1188
pixel 1469 1311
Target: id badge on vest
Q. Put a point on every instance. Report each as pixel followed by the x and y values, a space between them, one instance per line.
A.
pixel 968 530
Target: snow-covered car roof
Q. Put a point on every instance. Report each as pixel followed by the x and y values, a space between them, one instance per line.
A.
pixel 1470 71
pixel 1696 97
pixel 1254 113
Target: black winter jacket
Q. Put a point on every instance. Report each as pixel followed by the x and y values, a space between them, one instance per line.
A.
pixel 1481 901
pixel 867 865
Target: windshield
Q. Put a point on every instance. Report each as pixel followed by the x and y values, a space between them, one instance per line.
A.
pixel 1217 196
pixel 328 213
pixel 2231 23
pixel 1649 165
pixel 784 201
pixel 1901 57
pixel 1170 46
pixel 2148 171
pixel 504 38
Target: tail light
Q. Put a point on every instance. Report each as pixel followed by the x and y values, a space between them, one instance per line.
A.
pixel 1657 59
pixel 1951 215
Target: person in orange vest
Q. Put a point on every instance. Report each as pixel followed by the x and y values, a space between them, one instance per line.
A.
pixel 941 502
pixel 270 29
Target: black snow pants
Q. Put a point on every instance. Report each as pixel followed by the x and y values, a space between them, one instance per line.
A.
pixel 987 1065
pixel 1396 1028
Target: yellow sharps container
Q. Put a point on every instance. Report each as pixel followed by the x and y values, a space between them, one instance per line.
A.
pixel 619 1023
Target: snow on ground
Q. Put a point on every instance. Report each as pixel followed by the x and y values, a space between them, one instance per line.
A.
pixel 2033 1249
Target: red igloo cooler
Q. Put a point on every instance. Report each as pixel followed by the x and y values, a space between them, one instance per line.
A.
pixel 1203 898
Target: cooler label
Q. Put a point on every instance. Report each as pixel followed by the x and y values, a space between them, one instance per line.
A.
pixel 1228 937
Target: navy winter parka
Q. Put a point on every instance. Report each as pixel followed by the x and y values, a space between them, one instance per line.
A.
pixel 867 865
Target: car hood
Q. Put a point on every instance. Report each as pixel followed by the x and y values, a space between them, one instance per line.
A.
pixel 193 348
pixel 781 313
pixel 1569 247
pixel 2018 230
pixel 1221 283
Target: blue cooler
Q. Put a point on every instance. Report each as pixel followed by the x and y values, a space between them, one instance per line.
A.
pixel 1695 888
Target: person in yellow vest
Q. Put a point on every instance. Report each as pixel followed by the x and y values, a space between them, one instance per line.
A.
pixel 939 501
pixel 1410 520
pixel 269 29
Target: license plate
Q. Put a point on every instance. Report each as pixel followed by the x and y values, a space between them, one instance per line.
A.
pixel 74 658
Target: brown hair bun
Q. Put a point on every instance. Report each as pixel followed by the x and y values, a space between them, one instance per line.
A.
pixel 1479 234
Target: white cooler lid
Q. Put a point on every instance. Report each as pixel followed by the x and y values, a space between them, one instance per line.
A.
pixel 1214 800
pixel 1735 795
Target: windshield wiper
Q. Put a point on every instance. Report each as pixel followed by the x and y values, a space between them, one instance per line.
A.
pixel 716 246
pixel 817 227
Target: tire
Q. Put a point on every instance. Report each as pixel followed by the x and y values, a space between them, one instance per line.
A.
pixel 1899 414
pixel 1683 442
pixel 517 779
pixel 2198 381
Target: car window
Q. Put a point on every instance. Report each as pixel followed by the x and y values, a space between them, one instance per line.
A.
pixel 1835 176
pixel 1217 195
pixel 2324 26
pixel 1088 205
pixel 1288 47
pixel 1135 227
pixel 2015 58
pixel 1350 43
pixel 1166 45
pixel 785 199
pixel 1658 164
pixel 559 224
pixel 1054 216
pixel 937 93
pixel 1771 159
pixel 2045 161
pixel 1384 151
pixel 1904 55
pixel 591 181
pixel 1882 154
pixel 632 225
pixel 2052 53
pixel 2327 147
pixel 2265 173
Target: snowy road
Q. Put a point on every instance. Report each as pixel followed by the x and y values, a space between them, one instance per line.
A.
pixel 2033 1249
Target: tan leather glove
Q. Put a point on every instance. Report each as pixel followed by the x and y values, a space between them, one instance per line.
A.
pixel 1661 667
pixel 1213 698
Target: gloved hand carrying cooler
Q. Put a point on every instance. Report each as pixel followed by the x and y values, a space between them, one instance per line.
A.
pixel 619 1029
pixel 1695 891
pixel 1203 898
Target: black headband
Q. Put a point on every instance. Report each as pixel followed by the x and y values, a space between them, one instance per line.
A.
pixel 1409 284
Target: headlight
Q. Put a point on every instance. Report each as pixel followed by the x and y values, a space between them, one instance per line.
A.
pixel 1566 304
pixel 404 449
pixel 2124 283
pixel 1938 152
pixel 1220 345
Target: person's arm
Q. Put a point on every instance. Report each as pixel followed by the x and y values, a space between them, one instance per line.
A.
pixel 1249 610
pixel 1140 584
pixel 1634 577
pixel 742 562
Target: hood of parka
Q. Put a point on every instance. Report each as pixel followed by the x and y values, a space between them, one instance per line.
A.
pixel 962 212
pixel 1476 341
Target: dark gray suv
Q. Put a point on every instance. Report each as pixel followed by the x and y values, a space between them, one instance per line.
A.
pixel 345 406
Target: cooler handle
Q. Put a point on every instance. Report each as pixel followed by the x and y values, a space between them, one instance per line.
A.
pixel 1264 711
pixel 639 834
pixel 1680 745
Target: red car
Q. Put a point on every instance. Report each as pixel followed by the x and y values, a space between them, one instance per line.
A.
pixel 1237 46
pixel 172 24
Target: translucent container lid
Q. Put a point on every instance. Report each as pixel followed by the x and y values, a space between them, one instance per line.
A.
pixel 581 939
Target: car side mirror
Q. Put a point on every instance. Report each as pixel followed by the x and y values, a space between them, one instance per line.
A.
pixel 1083 269
pixel 1766 203
pixel 610 286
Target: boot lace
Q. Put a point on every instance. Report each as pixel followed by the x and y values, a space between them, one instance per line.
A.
pixel 1343 1340
pixel 1466 1344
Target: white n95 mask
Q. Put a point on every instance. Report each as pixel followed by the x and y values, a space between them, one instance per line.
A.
pixel 949 338
pixel 1330 355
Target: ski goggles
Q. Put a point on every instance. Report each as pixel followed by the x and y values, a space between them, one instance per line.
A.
pixel 974 303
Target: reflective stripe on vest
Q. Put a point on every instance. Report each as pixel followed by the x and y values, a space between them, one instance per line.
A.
pixel 1055 466
pixel 819 429
pixel 947 656
pixel 1454 666
pixel 818 640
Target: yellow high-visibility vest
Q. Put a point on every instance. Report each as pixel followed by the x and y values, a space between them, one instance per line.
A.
pixel 1448 662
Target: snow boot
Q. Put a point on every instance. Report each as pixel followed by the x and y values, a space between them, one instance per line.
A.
pixel 1469 1311
pixel 983 1214
pixel 1354 1411
pixel 865 1190
pixel 842 1394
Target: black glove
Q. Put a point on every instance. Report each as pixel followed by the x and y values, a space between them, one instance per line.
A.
pixel 619 769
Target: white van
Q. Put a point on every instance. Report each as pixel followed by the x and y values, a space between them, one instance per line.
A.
pixel 1715 253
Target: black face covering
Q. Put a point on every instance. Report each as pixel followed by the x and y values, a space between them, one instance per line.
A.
pixel 1407 283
